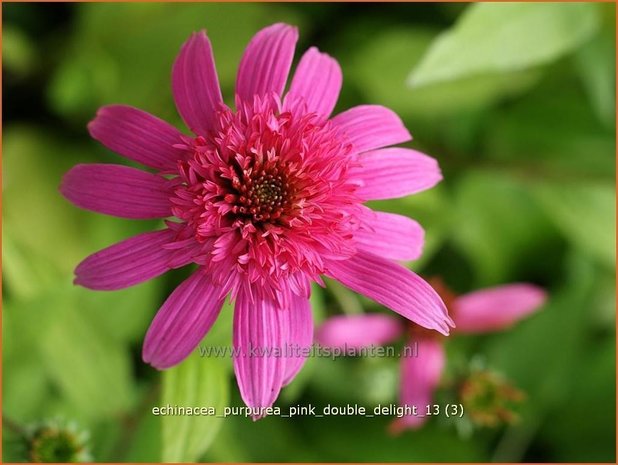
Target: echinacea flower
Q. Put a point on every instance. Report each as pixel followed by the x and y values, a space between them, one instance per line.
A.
pixel 265 199
pixel 424 359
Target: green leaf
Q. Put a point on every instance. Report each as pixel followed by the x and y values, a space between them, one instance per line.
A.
pixel 196 382
pixel 498 225
pixel 125 313
pixel 26 389
pixel 586 214
pixel 593 396
pixel 552 133
pixel 55 337
pixel 43 227
pixel 506 37
pixel 596 63
pixel 58 338
pixel 18 53
pixel 89 366
pixel 385 52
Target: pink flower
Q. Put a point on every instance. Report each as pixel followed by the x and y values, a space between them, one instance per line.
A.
pixel 264 199
pixel 477 312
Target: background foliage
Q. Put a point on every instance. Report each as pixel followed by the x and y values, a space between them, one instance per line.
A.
pixel 516 101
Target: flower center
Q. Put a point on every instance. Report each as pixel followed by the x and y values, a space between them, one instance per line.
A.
pixel 267 196
pixel 262 194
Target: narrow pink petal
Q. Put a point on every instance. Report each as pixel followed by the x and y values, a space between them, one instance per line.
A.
pixel 390 235
pixel 129 262
pixel 266 63
pixel 395 172
pixel 300 321
pixel 317 81
pixel 261 330
pixel 393 286
pixel 117 190
pixel 370 127
pixel 195 84
pixel 357 331
pixel 420 377
pixel 183 321
pixel 137 135
pixel 496 308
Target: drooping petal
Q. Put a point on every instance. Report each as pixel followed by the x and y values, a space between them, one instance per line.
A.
pixel 420 376
pixel 183 321
pixel 300 321
pixel 358 331
pixel 129 262
pixel 137 135
pixel 393 286
pixel 195 84
pixel 370 127
pixel 496 308
pixel 391 236
pixel 266 63
pixel 117 190
pixel 318 81
pixel 394 172
pixel 261 330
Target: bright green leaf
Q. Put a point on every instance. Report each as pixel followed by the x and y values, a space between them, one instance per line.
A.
pixel 505 37
pixel 385 51
pixel 43 226
pixel 196 382
pixel 89 366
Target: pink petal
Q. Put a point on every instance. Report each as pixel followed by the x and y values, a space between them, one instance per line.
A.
pixel 357 331
pixel 117 190
pixel 183 321
pixel 395 172
pixel 496 308
pixel 420 377
pixel 318 81
pixel 261 329
pixel 266 63
pixel 391 236
pixel 195 84
pixel 300 321
pixel 137 135
pixel 129 262
pixel 393 286
pixel 370 127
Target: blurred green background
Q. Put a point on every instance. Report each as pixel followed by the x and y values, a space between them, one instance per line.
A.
pixel 516 101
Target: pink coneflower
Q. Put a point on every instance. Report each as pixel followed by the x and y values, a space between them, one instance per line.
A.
pixel 482 311
pixel 264 199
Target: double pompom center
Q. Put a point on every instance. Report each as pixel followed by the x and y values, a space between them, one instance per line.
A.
pixel 262 194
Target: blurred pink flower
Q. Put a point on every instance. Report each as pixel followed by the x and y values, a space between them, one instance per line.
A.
pixel 481 311
pixel 264 199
